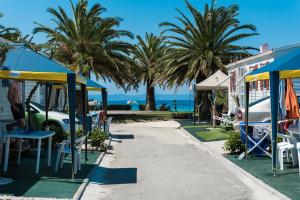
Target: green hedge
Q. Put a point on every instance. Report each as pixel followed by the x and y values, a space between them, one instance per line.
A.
pixel 119 107
pixel 181 115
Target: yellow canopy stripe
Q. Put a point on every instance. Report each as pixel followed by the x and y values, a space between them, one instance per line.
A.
pixel 37 76
pixel 257 77
pixel 94 89
pixel 88 88
pixel 266 76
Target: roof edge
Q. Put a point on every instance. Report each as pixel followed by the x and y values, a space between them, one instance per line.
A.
pixel 262 54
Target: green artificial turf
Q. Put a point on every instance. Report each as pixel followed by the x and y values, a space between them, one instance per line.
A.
pixel 286 181
pixel 205 133
pixel 47 183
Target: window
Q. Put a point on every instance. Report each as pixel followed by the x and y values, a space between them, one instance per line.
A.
pixel 266 84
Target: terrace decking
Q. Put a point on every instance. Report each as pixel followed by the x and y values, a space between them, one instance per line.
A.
pixel 286 181
pixel 47 183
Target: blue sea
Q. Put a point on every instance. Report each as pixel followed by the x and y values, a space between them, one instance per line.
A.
pixel 182 105
pixel 184 102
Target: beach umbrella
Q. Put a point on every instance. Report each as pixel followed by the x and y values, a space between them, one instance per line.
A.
pixel 131 102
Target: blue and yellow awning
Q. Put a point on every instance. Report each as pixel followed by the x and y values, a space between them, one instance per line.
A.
pixel 23 63
pixel 288 66
pixel 90 86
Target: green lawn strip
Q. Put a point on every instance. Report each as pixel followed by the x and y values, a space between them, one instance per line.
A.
pixel 206 133
pixel 47 183
pixel 286 181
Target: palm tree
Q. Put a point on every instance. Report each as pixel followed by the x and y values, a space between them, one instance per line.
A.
pixel 203 44
pixel 8 33
pixel 148 54
pixel 86 42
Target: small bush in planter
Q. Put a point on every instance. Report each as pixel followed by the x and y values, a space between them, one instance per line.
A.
pixel 97 139
pixel 234 144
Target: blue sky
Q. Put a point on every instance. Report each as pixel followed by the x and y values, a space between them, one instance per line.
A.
pixel 277 21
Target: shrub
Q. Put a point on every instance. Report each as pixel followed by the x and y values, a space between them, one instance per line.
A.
pixel 234 144
pixel 119 107
pixel 97 138
pixel 181 115
pixel 79 133
pixel 164 107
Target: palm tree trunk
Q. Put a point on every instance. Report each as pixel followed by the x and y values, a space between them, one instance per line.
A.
pixel 79 96
pixel 150 96
pixel 27 104
pixel 202 97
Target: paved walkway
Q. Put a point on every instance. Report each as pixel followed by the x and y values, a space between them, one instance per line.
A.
pixel 156 160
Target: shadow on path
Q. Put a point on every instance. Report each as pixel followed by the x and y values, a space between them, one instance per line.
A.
pixel 122 137
pixel 112 176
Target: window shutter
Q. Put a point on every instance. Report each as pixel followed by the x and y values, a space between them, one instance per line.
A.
pixel 261 85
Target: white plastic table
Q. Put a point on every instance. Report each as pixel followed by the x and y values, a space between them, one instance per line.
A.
pixel 37 135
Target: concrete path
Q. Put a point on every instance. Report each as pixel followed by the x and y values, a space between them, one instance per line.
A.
pixel 156 160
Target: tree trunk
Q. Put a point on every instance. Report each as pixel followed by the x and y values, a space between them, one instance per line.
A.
pixel 79 103
pixel 57 93
pixel 27 103
pixel 65 98
pixel 150 96
pixel 202 97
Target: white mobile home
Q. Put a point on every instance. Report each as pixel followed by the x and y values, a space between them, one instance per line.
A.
pixel 38 97
pixel 258 89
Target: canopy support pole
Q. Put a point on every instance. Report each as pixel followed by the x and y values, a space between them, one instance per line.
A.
pixel 274 94
pixel 46 102
pixel 104 103
pixel 246 119
pixel 72 97
pixel 104 100
pixel 84 113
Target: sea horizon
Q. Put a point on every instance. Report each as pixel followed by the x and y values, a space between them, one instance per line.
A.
pixel 184 102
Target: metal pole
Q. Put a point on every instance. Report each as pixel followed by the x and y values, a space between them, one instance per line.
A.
pixel 46 102
pixel 104 100
pixel 84 113
pixel 195 96
pixel 104 103
pixel 246 119
pixel 72 102
pixel 274 94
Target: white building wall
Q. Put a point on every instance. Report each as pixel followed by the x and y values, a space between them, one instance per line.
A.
pixel 28 87
pixel 255 93
pixel 5 112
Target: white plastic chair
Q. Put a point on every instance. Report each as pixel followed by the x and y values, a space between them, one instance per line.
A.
pixel 224 119
pixel 288 146
pixel 65 148
pixel 298 151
